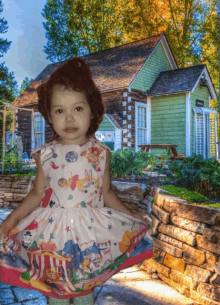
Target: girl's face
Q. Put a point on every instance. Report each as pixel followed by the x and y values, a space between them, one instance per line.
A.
pixel 70 109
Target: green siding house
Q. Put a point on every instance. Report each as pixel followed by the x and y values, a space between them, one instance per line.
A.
pixel 147 99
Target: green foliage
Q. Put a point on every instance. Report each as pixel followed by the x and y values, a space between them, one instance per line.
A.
pixel 197 173
pixel 26 82
pixel 8 84
pixel 128 162
pixel 11 165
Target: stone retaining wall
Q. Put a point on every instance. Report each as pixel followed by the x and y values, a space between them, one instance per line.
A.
pixel 186 245
pixel 13 190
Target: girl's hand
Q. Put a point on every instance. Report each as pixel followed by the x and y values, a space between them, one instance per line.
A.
pixel 6 226
pixel 143 216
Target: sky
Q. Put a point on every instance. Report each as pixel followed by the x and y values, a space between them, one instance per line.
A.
pixel 27 35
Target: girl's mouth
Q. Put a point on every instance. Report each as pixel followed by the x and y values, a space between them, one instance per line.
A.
pixel 70 129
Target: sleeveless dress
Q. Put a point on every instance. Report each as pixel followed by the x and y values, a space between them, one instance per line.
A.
pixel 72 243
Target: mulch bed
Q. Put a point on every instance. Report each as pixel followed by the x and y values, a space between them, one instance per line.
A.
pixel 151 181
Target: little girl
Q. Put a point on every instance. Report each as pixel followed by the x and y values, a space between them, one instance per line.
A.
pixel 71 233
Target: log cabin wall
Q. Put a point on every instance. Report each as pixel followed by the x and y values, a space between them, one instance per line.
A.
pixel 135 96
pixel 24 126
pixel 123 103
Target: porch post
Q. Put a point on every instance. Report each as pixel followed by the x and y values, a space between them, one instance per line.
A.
pixel 3 134
pixel 149 121
pixel 188 122
pixel 195 131
pixel 216 139
pixel 204 134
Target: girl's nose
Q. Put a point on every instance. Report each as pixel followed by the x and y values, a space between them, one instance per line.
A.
pixel 70 115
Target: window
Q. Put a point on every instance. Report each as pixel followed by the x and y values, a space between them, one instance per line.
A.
pixel 141 124
pixel 40 127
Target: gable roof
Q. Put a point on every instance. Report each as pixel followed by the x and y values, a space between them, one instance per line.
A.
pixel 174 81
pixel 111 68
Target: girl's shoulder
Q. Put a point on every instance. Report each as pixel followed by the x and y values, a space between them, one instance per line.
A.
pixel 38 149
pixel 101 144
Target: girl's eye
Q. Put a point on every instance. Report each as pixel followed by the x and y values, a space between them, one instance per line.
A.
pixel 62 110
pixel 57 110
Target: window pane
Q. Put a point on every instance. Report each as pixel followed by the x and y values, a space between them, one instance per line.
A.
pixel 142 125
pixel 39 129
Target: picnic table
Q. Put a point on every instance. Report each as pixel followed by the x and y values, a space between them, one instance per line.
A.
pixel 172 147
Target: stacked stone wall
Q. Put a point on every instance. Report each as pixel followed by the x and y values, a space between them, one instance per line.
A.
pixel 186 246
pixel 14 189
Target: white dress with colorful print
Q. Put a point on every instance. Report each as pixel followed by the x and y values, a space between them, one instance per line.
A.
pixel 71 242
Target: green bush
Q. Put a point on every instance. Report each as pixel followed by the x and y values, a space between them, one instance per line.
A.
pixel 197 173
pixel 128 162
pixel 12 166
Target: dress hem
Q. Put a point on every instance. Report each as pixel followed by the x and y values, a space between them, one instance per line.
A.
pixel 11 276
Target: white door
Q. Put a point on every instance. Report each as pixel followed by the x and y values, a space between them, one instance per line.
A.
pixel 203 134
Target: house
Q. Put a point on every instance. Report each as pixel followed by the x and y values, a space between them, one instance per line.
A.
pixel 147 99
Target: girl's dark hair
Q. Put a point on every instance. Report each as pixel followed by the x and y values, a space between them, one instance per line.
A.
pixel 73 74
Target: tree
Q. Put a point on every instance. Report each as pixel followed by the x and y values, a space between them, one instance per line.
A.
pixel 26 82
pixel 92 26
pixel 210 46
pixel 8 84
pixel 76 28
pixel 5 44
pixel 61 44
pixel 8 89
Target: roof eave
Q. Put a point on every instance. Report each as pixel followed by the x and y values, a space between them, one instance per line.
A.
pixel 161 94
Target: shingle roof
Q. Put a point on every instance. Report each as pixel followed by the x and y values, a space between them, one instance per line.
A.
pixel 111 68
pixel 178 80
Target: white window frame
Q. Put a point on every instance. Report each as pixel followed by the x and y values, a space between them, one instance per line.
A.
pixel 37 114
pixel 137 141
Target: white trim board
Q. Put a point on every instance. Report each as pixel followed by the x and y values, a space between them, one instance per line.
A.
pixel 188 123
pixel 203 109
pixel 32 130
pixel 168 52
pixel 149 121
pixel 136 120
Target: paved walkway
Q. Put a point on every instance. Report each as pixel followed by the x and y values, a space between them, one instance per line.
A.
pixel 130 286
